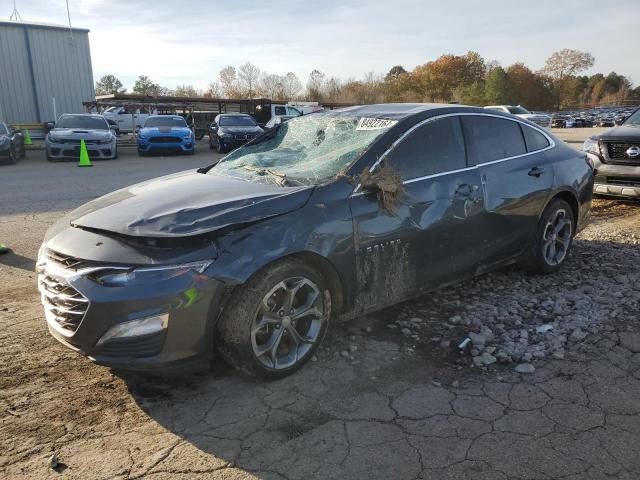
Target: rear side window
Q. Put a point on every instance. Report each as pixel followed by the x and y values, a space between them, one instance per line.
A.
pixel 492 138
pixel 535 140
pixel 280 110
pixel 434 147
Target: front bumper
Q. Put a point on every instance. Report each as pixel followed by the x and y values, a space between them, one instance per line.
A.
pixel 190 300
pixel 71 151
pixel 177 145
pixel 616 180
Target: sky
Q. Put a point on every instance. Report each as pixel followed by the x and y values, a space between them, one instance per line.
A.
pixel 189 41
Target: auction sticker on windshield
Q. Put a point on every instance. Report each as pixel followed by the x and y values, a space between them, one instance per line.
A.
pixel 375 123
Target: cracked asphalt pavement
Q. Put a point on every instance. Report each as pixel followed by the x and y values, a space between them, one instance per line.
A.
pixel 388 396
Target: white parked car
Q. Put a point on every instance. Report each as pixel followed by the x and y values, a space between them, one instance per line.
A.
pixel 127 119
pixel 538 118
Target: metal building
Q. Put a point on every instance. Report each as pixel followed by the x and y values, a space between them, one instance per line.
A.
pixel 45 71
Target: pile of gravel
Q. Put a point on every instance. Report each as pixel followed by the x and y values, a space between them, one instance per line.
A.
pixel 510 317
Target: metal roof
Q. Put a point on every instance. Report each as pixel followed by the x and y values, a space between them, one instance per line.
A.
pixel 46 26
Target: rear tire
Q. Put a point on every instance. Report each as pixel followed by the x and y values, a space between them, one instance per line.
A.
pixel 552 241
pixel 274 323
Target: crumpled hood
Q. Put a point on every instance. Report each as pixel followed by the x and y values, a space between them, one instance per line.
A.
pixel 186 204
pixel 150 131
pixel 621 133
pixel 80 133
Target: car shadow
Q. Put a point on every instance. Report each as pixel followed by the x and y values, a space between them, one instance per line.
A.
pixel 18 261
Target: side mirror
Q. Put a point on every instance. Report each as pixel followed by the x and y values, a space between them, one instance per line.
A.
pixel 49 125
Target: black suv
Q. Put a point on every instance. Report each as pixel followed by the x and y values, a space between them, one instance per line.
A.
pixel 616 156
pixel 231 130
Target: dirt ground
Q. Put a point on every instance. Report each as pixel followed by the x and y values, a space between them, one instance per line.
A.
pixel 388 396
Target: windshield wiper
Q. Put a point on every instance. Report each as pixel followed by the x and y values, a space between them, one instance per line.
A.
pixel 280 178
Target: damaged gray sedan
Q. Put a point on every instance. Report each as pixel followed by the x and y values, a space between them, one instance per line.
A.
pixel 326 217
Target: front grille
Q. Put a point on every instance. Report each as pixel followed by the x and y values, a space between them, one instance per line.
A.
pixel 165 140
pixel 62 303
pixel 625 181
pixel 68 262
pixel 618 151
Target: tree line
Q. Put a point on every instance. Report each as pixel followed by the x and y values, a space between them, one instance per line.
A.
pixel 468 79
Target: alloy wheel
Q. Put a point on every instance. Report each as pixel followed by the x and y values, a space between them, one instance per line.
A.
pixel 556 237
pixel 288 323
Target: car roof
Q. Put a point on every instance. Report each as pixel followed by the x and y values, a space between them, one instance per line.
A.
pixel 235 115
pixel 394 111
pixel 165 116
pixel 92 115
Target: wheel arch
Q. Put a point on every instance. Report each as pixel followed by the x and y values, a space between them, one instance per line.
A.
pixel 319 263
pixel 571 198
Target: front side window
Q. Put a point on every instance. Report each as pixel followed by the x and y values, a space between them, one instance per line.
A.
pixel 634 118
pixel 305 150
pixel 534 139
pixel 165 121
pixel 3 129
pixel 492 138
pixel 84 122
pixel 435 147
pixel 294 112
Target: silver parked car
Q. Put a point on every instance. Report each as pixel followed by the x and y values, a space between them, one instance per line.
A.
pixel 63 140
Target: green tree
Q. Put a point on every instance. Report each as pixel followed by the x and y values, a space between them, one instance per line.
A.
pixel 186 91
pixel 109 85
pixel 498 87
pixel 145 86
pixel 395 72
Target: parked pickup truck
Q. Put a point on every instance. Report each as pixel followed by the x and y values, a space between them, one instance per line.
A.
pixel 127 119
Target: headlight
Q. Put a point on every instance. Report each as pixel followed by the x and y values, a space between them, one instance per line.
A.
pixel 226 135
pixel 145 275
pixel 53 139
pixel 106 140
pixel 591 145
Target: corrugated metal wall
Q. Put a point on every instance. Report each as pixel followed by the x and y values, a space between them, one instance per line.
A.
pixel 39 65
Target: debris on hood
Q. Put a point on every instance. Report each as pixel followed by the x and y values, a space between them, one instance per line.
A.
pixel 387 185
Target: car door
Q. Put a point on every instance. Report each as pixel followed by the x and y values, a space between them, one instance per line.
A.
pixel 434 234
pixel 516 178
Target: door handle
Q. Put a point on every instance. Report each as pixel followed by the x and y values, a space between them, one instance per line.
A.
pixel 536 172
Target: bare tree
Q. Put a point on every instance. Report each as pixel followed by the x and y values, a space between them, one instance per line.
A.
pixel 229 82
pixel 248 76
pixel 291 86
pixel 316 85
pixel 271 86
pixel 213 90
pixel 566 63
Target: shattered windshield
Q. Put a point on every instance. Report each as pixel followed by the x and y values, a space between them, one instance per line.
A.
pixel 305 150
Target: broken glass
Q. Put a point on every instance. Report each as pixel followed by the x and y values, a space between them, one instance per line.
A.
pixel 308 150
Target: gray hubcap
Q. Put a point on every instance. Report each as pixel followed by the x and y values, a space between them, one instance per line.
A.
pixel 556 237
pixel 288 323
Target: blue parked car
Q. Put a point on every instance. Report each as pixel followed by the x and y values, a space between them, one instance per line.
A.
pixel 165 134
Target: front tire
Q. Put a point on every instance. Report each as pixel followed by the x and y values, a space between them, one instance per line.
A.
pixel 553 239
pixel 274 323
